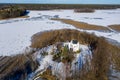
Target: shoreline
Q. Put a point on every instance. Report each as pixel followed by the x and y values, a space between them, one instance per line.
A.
pixel 15 18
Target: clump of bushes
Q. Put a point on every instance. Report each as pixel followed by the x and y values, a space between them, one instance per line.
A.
pixel 84 10
pixel 65 56
pixel 104 54
pixel 12 12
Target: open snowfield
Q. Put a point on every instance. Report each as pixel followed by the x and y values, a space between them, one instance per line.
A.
pixel 15 34
pixel 99 17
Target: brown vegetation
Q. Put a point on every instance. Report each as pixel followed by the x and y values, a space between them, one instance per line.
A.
pixel 16 17
pixel 115 58
pixel 64 6
pixel 82 25
pixel 85 10
pixel 65 55
pixel 16 67
pixel 47 75
pixel 12 12
pixel 115 27
pixel 104 54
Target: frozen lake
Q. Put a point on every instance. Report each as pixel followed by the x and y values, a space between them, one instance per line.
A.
pixel 15 34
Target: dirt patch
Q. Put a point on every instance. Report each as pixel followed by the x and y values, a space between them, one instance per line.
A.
pixel 82 25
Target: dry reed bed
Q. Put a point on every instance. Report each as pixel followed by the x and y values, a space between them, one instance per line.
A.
pixel 16 67
pixel 115 27
pixel 82 25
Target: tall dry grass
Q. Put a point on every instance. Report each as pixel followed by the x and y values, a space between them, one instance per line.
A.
pixel 82 25
pixel 115 27
pixel 17 67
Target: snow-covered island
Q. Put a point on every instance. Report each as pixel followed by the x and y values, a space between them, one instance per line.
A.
pixel 63 59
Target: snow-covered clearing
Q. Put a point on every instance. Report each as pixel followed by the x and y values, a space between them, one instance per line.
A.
pixel 15 34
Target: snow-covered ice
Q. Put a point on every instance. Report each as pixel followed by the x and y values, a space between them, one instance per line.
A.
pixel 99 17
pixel 15 34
